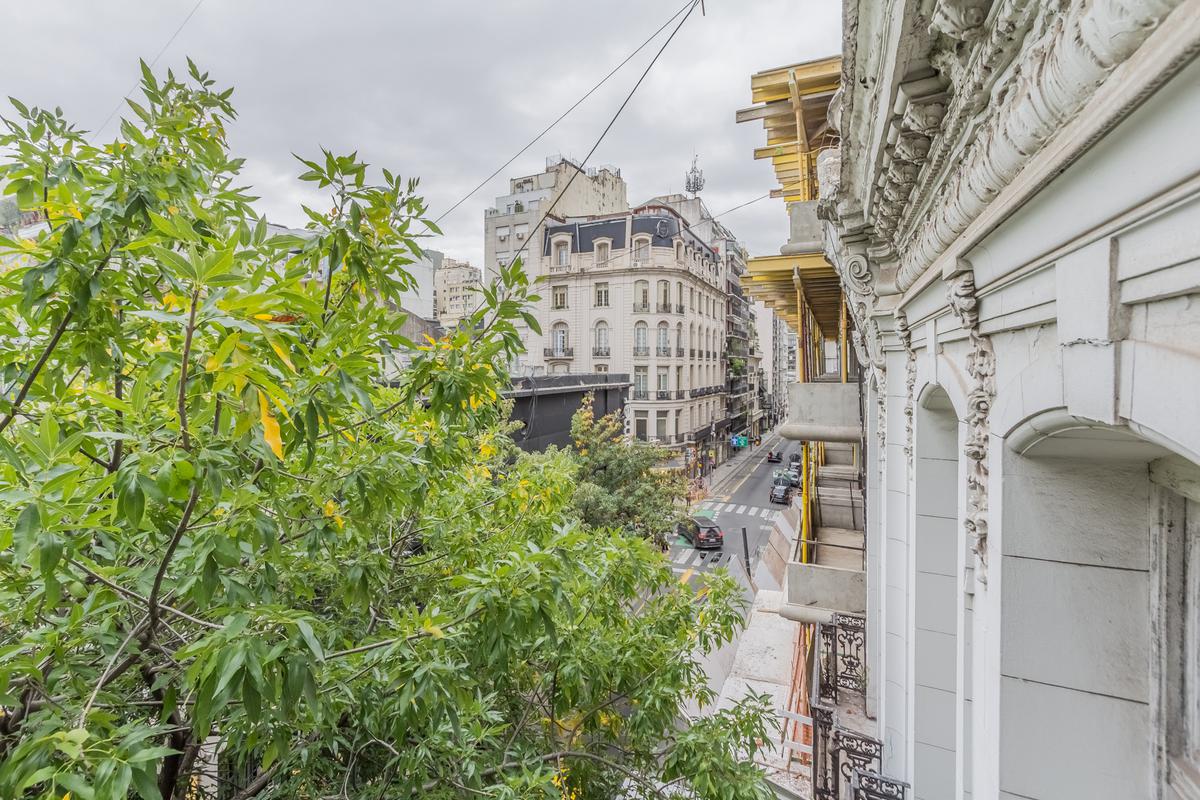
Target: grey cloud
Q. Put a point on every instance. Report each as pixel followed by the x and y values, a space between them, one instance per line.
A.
pixel 444 90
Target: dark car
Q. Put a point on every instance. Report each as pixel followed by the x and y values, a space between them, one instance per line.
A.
pixel 701 532
pixel 781 493
pixel 795 458
pixel 774 456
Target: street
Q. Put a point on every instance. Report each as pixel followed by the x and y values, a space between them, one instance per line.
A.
pixel 739 499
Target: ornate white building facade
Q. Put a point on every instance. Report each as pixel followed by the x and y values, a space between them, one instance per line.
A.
pixel 1014 212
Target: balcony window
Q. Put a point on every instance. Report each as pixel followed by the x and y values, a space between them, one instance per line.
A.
pixel 562 254
pixel 559 296
pixel 560 338
pixel 601 339
pixel 601 295
pixel 602 254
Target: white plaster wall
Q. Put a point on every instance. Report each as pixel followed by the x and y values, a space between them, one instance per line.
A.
pixel 935 581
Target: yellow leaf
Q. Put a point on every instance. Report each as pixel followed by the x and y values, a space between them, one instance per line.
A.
pixel 283 356
pixel 264 316
pixel 434 630
pixel 330 508
pixel 486 450
pixel 172 210
pixel 270 427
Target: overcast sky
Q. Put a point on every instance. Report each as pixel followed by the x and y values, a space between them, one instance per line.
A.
pixel 446 90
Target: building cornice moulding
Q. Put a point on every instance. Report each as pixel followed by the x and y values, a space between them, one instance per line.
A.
pixel 1050 82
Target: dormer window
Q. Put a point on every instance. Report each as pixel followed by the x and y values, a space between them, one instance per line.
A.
pixel 641 249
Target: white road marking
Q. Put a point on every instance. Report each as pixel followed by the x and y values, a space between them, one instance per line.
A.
pixel 682 556
pixel 740 510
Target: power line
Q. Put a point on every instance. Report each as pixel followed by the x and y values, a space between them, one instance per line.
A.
pixel 153 61
pixel 563 116
pixel 611 122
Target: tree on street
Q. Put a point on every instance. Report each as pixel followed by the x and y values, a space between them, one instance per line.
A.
pixel 235 563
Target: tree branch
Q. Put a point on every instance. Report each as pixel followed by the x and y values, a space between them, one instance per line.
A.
pixel 181 403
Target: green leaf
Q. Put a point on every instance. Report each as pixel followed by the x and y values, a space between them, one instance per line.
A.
pixel 29 522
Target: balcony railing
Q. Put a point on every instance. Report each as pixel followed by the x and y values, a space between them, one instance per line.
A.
pixel 679 352
pixel 641 352
pixel 664 394
pixel 559 352
pixel 641 308
pixel 664 308
pixel 680 394
pixel 641 394
pixel 691 352
pixel 662 352
pixel 601 352
pixel 679 308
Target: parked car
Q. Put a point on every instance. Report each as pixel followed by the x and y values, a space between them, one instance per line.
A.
pixel 792 476
pixel 781 493
pixel 794 459
pixel 774 456
pixel 701 532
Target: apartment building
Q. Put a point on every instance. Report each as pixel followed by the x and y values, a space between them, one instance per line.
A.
pixel 997 212
pixel 457 285
pixel 637 292
pixel 571 190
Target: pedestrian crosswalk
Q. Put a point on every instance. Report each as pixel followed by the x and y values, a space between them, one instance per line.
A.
pixel 689 558
pixel 769 514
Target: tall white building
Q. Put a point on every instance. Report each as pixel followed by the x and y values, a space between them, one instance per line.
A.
pixel 457 291
pixel 1012 213
pixel 419 299
pixel 639 293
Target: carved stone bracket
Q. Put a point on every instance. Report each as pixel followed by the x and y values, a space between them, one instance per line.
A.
pixel 960 19
pixel 981 366
pixel 910 381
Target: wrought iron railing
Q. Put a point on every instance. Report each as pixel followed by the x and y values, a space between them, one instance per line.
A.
pixel 679 352
pixel 842 664
pixel 558 352
pixel 662 352
pixel 664 394
pixel 641 394
pixel 641 352
pixel 641 308
pixel 869 786
pixel 601 351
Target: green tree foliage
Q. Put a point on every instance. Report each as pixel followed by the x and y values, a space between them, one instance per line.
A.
pixel 224 540
pixel 622 482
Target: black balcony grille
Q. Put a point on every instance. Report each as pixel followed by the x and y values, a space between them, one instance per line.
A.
pixel 641 352
pixel 559 352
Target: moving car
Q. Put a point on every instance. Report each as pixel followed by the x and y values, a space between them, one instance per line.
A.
pixel 774 456
pixel 701 532
pixel 781 493
pixel 794 459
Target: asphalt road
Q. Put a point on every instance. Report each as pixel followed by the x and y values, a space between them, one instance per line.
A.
pixel 739 499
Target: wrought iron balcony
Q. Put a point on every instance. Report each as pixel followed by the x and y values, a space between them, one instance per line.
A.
pixel 664 308
pixel 641 352
pixel 680 394
pixel 641 308
pixel 601 352
pixel 679 352
pixel 662 352
pixel 641 394
pixel 691 352
pixel 679 308
pixel 559 352
pixel 664 394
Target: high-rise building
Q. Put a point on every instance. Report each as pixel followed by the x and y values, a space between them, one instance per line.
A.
pixel 457 291
pixel 564 186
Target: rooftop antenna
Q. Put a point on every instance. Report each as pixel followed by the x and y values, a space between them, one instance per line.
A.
pixel 693 182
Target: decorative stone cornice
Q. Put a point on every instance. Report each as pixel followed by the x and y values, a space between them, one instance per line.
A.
pixel 1072 51
pixel 981 366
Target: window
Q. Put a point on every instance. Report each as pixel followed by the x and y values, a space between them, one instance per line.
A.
pixel 664 339
pixel 679 295
pixel 601 295
pixel 521 231
pixel 664 379
pixel 641 296
pixel 641 336
pixel 602 338
pixel 660 424
pixel 664 296
pixel 692 299
pixel 641 249
pixel 679 336
pixel 679 251
pixel 601 369
pixel 559 297
pixel 562 254
pixel 560 336
pixel 639 425
pixel 502 232
pixel 679 378
pixel 640 379
pixel 601 254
